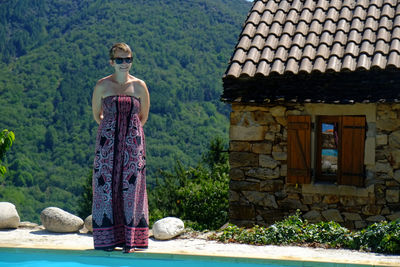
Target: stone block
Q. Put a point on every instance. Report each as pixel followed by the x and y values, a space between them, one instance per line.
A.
pixel 396 175
pixel 236 174
pixel 247 107
pixel 271 185
pixel 233 196
pixel 281 120
pixel 250 133
pixel 392 195
pixel 388 124
pixel 307 199
pixel 394 140
pixel 394 157
pixel 283 170
pixel 261 199
pixel 278 111
pixel 371 209
pixel 383 167
pixel 313 216
pixel 360 224
pixel 279 155
pixel 239 146
pixel 277 148
pixel 241 212
pixel 243 185
pixel 292 204
pixel 269 136
pixel 243 159
pixel 349 216
pixel 369 149
pixel 264 173
pixel 267 161
pixel 275 128
pixel 261 148
pixel 263 117
pixel 371 131
pixel 391 183
pixel 376 218
pixel 332 215
pixel 331 199
pixel 394 216
pixel 381 139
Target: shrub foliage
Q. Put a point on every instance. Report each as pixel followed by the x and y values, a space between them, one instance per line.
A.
pixel 383 237
pixel 197 195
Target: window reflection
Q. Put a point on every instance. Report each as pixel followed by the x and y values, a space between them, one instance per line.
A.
pixel 329 149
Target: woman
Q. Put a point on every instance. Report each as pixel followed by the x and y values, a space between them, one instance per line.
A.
pixel 120 106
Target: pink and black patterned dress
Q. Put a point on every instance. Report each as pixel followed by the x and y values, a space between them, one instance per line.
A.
pixel 120 209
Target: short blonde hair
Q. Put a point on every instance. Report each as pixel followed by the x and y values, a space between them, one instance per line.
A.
pixel 119 46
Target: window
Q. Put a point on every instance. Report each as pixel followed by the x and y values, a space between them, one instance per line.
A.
pixel 339 149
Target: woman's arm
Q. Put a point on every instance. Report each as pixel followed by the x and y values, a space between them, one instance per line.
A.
pixel 96 102
pixel 144 96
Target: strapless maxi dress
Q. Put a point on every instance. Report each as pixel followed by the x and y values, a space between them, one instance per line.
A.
pixel 120 208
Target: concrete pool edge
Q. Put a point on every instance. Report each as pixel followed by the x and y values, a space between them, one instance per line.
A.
pixel 143 254
pixel 197 246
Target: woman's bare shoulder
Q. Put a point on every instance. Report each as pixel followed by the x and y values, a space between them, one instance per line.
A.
pixel 104 81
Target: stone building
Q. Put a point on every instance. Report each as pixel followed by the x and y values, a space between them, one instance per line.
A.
pixel 314 88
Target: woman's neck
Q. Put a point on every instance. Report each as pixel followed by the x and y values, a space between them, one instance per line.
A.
pixel 120 78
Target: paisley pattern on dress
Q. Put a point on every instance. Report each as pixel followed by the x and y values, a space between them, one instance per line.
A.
pixel 120 208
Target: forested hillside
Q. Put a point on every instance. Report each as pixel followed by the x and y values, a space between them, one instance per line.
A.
pixel 52 52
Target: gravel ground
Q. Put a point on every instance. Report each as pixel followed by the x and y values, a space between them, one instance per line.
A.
pixel 38 237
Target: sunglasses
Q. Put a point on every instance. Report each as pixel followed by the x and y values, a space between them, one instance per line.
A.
pixel 120 60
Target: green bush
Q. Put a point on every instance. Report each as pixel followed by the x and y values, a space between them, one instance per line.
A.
pixel 383 237
pixel 6 140
pixel 199 196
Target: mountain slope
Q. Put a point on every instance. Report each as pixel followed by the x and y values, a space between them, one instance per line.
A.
pixel 53 52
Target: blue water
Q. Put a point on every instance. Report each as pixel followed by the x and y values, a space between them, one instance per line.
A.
pixel 329 152
pixel 27 258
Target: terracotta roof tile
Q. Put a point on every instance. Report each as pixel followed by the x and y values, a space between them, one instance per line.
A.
pixel 267 17
pixel 394 59
pixel 364 62
pixel 292 66
pixel 326 38
pixel 343 25
pixel 294 36
pixel 337 4
pixel 267 54
pixel 295 52
pixel 262 30
pixel 367 48
pixel 285 41
pixel 254 18
pixel 332 14
pixel 322 4
pixel 319 65
pixel 360 13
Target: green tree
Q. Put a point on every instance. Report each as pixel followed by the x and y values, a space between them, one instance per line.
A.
pixel 6 140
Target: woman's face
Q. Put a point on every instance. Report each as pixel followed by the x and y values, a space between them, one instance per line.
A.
pixel 124 66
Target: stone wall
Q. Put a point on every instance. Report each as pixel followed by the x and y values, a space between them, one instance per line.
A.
pixel 258 153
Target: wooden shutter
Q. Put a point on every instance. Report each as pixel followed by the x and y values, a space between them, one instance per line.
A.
pixel 299 150
pixel 352 151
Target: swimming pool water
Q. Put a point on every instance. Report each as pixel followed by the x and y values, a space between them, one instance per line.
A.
pixel 42 258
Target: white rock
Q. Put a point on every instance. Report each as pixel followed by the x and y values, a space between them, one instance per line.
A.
pixel 168 228
pixel 89 223
pixel 59 221
pixel 9 217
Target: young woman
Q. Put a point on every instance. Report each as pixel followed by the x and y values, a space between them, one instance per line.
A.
pixel 120 106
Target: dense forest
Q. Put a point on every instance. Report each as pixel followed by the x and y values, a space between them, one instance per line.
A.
pixel 52 52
